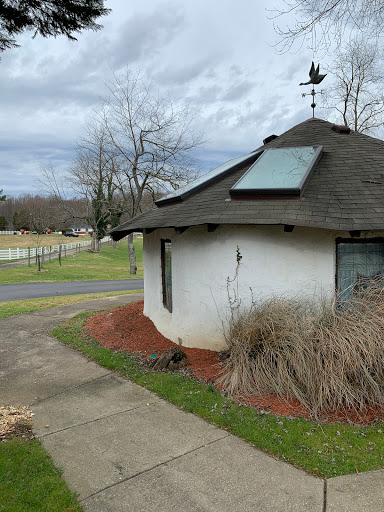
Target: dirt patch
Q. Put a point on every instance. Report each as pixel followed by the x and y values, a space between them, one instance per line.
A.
pixel 127 329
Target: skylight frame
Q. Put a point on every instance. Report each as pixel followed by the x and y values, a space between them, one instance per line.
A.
pixel 294 191
pixel 197 185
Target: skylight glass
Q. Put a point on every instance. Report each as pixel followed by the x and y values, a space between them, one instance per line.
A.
pixel 207 178
pixel 279 171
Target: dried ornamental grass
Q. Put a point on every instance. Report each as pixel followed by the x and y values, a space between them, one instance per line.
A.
pixel 327 358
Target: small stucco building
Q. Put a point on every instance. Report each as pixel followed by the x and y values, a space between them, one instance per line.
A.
pixel 304 214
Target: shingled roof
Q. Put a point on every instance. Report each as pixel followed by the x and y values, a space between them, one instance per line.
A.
pixel 345 190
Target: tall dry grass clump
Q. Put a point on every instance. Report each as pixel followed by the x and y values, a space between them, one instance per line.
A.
pixel 325 356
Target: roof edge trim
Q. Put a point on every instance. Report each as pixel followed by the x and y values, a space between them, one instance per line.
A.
pixel 118 235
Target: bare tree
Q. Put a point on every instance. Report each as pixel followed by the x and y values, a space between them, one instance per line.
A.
pixel 153 137
pixel 357 93
pixel 66 208
pixel 35 215
pixel 19 212
pixel 93 175
pixel 92 178
pixel 324 20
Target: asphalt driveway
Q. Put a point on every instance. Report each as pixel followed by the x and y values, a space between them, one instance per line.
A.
pixel 37 290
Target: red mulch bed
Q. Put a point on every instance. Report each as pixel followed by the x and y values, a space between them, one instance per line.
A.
pixel 127 329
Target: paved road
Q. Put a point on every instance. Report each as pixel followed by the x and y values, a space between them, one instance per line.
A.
pixel 37 290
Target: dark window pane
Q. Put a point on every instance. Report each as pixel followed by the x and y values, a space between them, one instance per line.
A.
pixel 166 267
pixel 357 264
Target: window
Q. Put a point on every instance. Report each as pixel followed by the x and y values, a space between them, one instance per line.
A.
pixel 358 262
pixel 166 273
pixel 281 171
pixel 210 177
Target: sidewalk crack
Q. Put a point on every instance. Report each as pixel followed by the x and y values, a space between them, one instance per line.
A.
pixel 325 496
pixel 41 400
pixel 94 420
pixel 154 467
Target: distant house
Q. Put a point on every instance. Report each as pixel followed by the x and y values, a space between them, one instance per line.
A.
pixel 305 211
pixel 82 229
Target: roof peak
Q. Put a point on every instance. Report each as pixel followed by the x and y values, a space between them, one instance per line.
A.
pixel 314 119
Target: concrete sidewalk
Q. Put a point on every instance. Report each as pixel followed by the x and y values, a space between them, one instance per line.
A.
pixel 124 449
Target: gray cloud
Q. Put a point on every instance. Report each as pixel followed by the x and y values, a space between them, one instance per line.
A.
pixel 238 92
pixel 212 55
pixel 181 75
pixel 144 35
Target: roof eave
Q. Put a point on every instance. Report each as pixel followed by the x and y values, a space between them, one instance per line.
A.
pixel 334 226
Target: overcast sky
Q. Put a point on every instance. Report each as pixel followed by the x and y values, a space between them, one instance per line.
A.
pixel 216 55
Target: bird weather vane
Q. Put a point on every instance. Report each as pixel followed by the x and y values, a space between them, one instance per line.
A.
pixel 314 78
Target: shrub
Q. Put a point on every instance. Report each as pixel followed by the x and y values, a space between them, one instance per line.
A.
pixel 328 356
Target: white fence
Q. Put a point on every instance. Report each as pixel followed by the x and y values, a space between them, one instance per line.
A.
pixel 30 252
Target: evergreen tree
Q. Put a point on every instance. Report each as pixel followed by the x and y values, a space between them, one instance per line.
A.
pixel 16 221
pixel 24 220
pixel 47 18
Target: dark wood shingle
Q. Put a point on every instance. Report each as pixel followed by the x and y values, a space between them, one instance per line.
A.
pixel 344 192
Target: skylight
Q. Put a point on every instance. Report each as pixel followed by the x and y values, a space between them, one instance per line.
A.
pixel 280 171
pixel 208 178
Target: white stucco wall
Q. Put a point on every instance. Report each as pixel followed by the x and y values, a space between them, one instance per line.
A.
pixel 273 263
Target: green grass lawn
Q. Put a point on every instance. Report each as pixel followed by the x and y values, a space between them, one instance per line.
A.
pixel 326 450
pixel 30 482
pixel 109 263
pixel 25 241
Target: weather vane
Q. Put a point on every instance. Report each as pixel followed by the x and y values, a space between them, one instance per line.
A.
pixel 314 78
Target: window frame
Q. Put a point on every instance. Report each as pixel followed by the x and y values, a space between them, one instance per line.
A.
pixel 238 192
pixel 340 240
pixel 167 298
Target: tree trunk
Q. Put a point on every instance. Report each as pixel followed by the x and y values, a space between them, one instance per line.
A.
pixel 95 242
pixel 132 255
